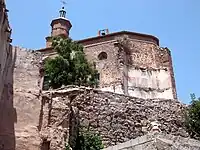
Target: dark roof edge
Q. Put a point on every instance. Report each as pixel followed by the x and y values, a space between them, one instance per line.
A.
pixel 119 33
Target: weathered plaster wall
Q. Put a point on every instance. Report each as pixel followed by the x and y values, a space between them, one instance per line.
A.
pixel 118 118
pixel 7 112
pixel 150 83
pixel 158 142
pixel 147 76
pixel 26 98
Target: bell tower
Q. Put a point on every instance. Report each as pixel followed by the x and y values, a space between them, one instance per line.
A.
pixel 59 27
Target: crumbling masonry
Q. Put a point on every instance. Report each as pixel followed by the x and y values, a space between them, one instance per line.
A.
pixel 118 118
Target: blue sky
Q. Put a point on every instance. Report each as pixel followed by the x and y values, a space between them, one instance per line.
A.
pixel 175 22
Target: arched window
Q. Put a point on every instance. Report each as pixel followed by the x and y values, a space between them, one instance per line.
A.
pixel 102 56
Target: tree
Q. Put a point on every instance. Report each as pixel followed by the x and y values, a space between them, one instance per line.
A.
pixel 70 67
pixel 192 119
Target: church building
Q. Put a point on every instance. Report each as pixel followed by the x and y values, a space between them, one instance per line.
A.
pixel 128 63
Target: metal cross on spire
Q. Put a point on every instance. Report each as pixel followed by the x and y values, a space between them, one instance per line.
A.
pixel 63 2
pixel 62 11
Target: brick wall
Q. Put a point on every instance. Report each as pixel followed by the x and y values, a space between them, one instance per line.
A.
pixel 108 68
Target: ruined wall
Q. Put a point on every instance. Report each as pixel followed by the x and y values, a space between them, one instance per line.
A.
pixel 26 98
pixel 163 56
pixel 147 76
pixel 116 117
pixel 133 67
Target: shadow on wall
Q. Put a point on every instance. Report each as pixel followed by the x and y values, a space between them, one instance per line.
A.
pixel 8 115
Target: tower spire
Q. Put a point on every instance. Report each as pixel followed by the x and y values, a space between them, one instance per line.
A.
pixel 62 10
pixel 60 26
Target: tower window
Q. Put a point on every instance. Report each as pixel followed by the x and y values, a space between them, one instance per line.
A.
pixel 102 56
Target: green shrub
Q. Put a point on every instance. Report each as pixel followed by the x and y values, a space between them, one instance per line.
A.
pixel 192 119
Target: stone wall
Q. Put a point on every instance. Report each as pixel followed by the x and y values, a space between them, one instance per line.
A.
pixel 158 142
pixel 116 117
pixel 20 102
pixel 26 98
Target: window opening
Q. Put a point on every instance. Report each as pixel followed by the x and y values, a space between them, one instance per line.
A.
pixel 102 56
